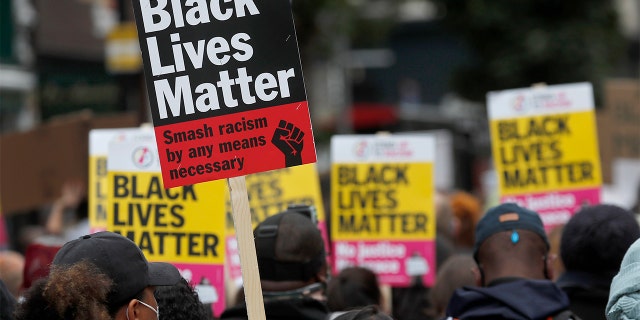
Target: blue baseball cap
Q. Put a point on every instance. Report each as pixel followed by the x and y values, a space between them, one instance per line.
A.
pixel 506 217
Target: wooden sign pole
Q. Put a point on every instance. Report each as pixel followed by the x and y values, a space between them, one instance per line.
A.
pixel 246 248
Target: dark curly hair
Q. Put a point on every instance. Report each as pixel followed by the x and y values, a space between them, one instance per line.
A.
pixel 180 302
pixel 77 291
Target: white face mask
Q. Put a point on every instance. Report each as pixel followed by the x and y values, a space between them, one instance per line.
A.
pixel 157 311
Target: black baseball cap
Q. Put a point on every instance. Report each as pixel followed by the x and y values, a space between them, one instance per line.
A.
pixel 506 217
pixel 121 260
pixel 303 239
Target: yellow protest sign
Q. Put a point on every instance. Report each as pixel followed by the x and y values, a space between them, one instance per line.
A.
pixel 168 224
pixel 382 217
pixel 99 140
pixel 545 149
pixel 272 192
pixel 389 191
pixel 183 225
pixel 543 153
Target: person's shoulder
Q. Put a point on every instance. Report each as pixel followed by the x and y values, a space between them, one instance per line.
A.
pixel 7 301
pixel 296 308
pixel 565 315
pixel 238 312
pixel 503 299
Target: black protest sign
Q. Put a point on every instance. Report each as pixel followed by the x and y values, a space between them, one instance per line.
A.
pixel 225 87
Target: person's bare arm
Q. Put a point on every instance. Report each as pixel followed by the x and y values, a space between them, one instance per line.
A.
pixel 72 194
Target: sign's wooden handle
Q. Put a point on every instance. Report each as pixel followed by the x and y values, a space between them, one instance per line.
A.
pixel 246 248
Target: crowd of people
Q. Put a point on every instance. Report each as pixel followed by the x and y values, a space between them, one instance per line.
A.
pixel 495 264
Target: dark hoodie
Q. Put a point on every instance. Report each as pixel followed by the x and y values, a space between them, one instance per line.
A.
pixel 293 309
pixel 508 299
pixel 588 293
pixel 7 302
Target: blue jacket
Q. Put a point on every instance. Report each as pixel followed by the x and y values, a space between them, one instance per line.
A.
pixel 508 299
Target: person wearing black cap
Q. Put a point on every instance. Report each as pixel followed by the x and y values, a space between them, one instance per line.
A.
pixel 513 271
pixel 292 267
pixel 99 276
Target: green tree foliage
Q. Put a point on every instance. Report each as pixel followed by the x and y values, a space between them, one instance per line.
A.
pixel 519 43
pixel 318 23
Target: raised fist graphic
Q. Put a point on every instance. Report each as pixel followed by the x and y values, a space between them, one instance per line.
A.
pixel 289 139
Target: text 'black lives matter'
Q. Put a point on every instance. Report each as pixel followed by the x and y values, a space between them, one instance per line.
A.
pixel 210 58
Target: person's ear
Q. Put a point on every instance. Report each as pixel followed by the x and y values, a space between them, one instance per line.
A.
pixel 323 274
pixel 131 310
pixel 549 261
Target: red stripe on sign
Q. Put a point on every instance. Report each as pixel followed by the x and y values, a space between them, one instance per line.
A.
pixel 236 144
